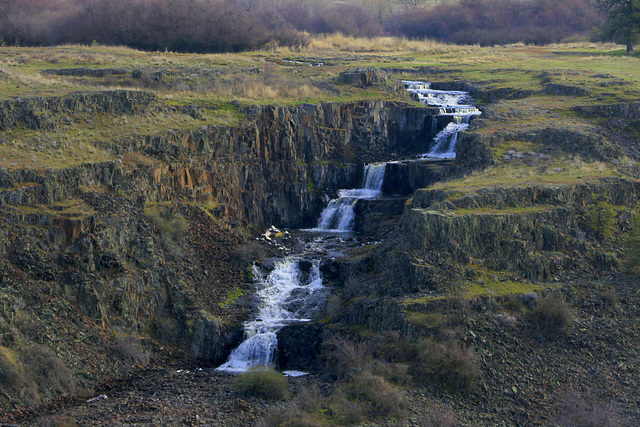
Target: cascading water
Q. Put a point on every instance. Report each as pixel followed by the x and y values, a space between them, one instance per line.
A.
pixel 285 296
pixel 290 293
pixel 457 104
pixel 339 214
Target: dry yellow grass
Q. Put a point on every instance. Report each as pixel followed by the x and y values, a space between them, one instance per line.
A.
pixel 257 88
pixel 341 43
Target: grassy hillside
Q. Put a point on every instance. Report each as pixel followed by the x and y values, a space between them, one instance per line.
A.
pixel 121 232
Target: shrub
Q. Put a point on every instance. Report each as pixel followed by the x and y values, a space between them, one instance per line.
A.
pixel 176 25
pixel 168 222
pixel 10 375
pixel 490 22
pixel 344 411
pixel 551 315
pixel 265 384
pixel 248 253
pixel 631 245
pixel 345 357
pixel 579 410
pixel 397 373
pixel 392 347
pixel 439 417
pixel 347 19
pixel 35 22
pixel 449 364
pixel 47 370
pixel 382 397
pixel 131 349
pixel 309 399
pixel 610 298
pixel 288 417
pixel 601 219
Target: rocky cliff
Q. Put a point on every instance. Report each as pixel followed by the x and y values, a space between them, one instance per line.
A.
pixel 149 245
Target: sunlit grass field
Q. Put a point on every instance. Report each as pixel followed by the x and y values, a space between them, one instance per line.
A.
pixel 277 75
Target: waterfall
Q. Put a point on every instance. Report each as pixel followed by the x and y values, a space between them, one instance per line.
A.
pixel 285 297
pixel 339 214
pixel 457 104
pixel 444 143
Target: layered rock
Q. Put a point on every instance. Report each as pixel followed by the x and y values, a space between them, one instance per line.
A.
pixel 276 168
pixel 144 247
pixel 44 113
pixel 534 232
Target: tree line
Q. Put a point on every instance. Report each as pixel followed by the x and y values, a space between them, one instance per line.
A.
pixel 236 25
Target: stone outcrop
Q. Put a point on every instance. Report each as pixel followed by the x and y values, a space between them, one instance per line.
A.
pixel 44 113
pixel 147 247
pixel 299 346
pixel 628 111
pixel 363 77
pixel 278 166
pixel 535 232
pixel 560 89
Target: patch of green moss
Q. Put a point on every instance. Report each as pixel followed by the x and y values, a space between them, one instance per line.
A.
pixel 520 210
pixel 72 208
pixel 232 296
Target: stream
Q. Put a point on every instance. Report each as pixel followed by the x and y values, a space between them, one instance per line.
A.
pixel 291 289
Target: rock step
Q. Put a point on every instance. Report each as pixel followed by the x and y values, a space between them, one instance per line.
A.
pixel 374 214
pixel 406 177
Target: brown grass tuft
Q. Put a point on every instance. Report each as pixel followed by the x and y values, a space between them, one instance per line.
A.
pixel 449 364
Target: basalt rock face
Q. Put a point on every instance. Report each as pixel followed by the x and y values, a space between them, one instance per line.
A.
pixel 104 253
pixel 363 77
pixel 629 111
pixel 538 232
pixel 299 346
pixel 403 178
pixel 276 168
pixel 45 113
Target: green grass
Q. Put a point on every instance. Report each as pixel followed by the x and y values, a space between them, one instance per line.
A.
pixel 515 66
pixel 232 296
pixel 504 211
pixel 72 208
pixel 565 170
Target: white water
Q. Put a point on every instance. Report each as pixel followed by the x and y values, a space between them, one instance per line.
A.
pixel 284 296
pixel 339 214
pixel 452 103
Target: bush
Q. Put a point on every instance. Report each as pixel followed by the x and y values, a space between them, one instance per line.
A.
pixel 551 315
pixel 579 410
pixel 47 370
pixel 176 25
pixel 392 347
pixel 10 375
pixel 449 364
pixel 347 19
pixel 344 411
pixel 248 253
pixel 439 417
pixel 344 357
pixel 33 370
pixel 601 219
pixel 397 373
pixel 131 349
pixel 631 245
pixel 168 222
pixel 490 22
pixel 265 384
pixel 381 397
pixel 288 417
